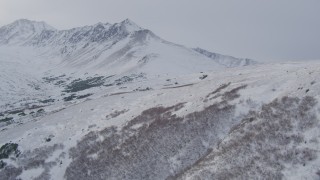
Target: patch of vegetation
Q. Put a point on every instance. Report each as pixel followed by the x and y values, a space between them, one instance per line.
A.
pixel 49 138
pixel 15 111
pixel 80 85
pixel 174 87
pixel 40 111
pixel 74 96
pixel 108 85
pixel 56 80
pixel 2 164
pixel 7 119
pixel 156 144
pixel 22 114
pixel 84 96
pixel 216 93
pixel 35 106
pixel 126 79
pixel 116 113
pixel 37 158
pixel 10 172
pixel 50 79
pixel 265 143
pixel 9 149
pixel 123 80
pixel 119 93
pixel 203 77
pixel 60 82
pixel 35 86
pixel 70 98
pixel 47 101
pixel 143 89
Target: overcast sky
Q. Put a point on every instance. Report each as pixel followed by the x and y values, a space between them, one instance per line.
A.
pixel 258 29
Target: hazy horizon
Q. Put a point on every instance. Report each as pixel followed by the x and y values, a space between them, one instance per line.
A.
pixel 273 30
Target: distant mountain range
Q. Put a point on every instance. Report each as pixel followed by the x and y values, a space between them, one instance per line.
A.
pixel 118 47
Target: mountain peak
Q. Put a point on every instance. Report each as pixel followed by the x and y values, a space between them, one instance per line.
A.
pixel 38 25
pixel 21 30
pixel 101 25
pixel 130 26
pixel 127 21
pixel 20 21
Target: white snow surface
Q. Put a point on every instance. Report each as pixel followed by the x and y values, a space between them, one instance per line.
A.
pixel 30 49
pixel 39 63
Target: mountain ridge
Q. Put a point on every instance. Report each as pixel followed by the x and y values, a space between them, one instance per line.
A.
pixel 119 49
pixel 126 26
pixel 79 40
pixel 228 61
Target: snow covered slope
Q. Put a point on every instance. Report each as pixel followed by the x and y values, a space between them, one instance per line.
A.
pixel 21 31
pixel 115 101
pixel 227 61
pixel 30 52
pixel 249 122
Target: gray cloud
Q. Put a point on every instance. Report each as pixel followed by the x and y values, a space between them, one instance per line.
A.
pixel 265 30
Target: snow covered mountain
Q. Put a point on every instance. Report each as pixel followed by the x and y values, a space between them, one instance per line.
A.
pixel 21 31
pixel 119 47
pixel 31 51
pixel 115 101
